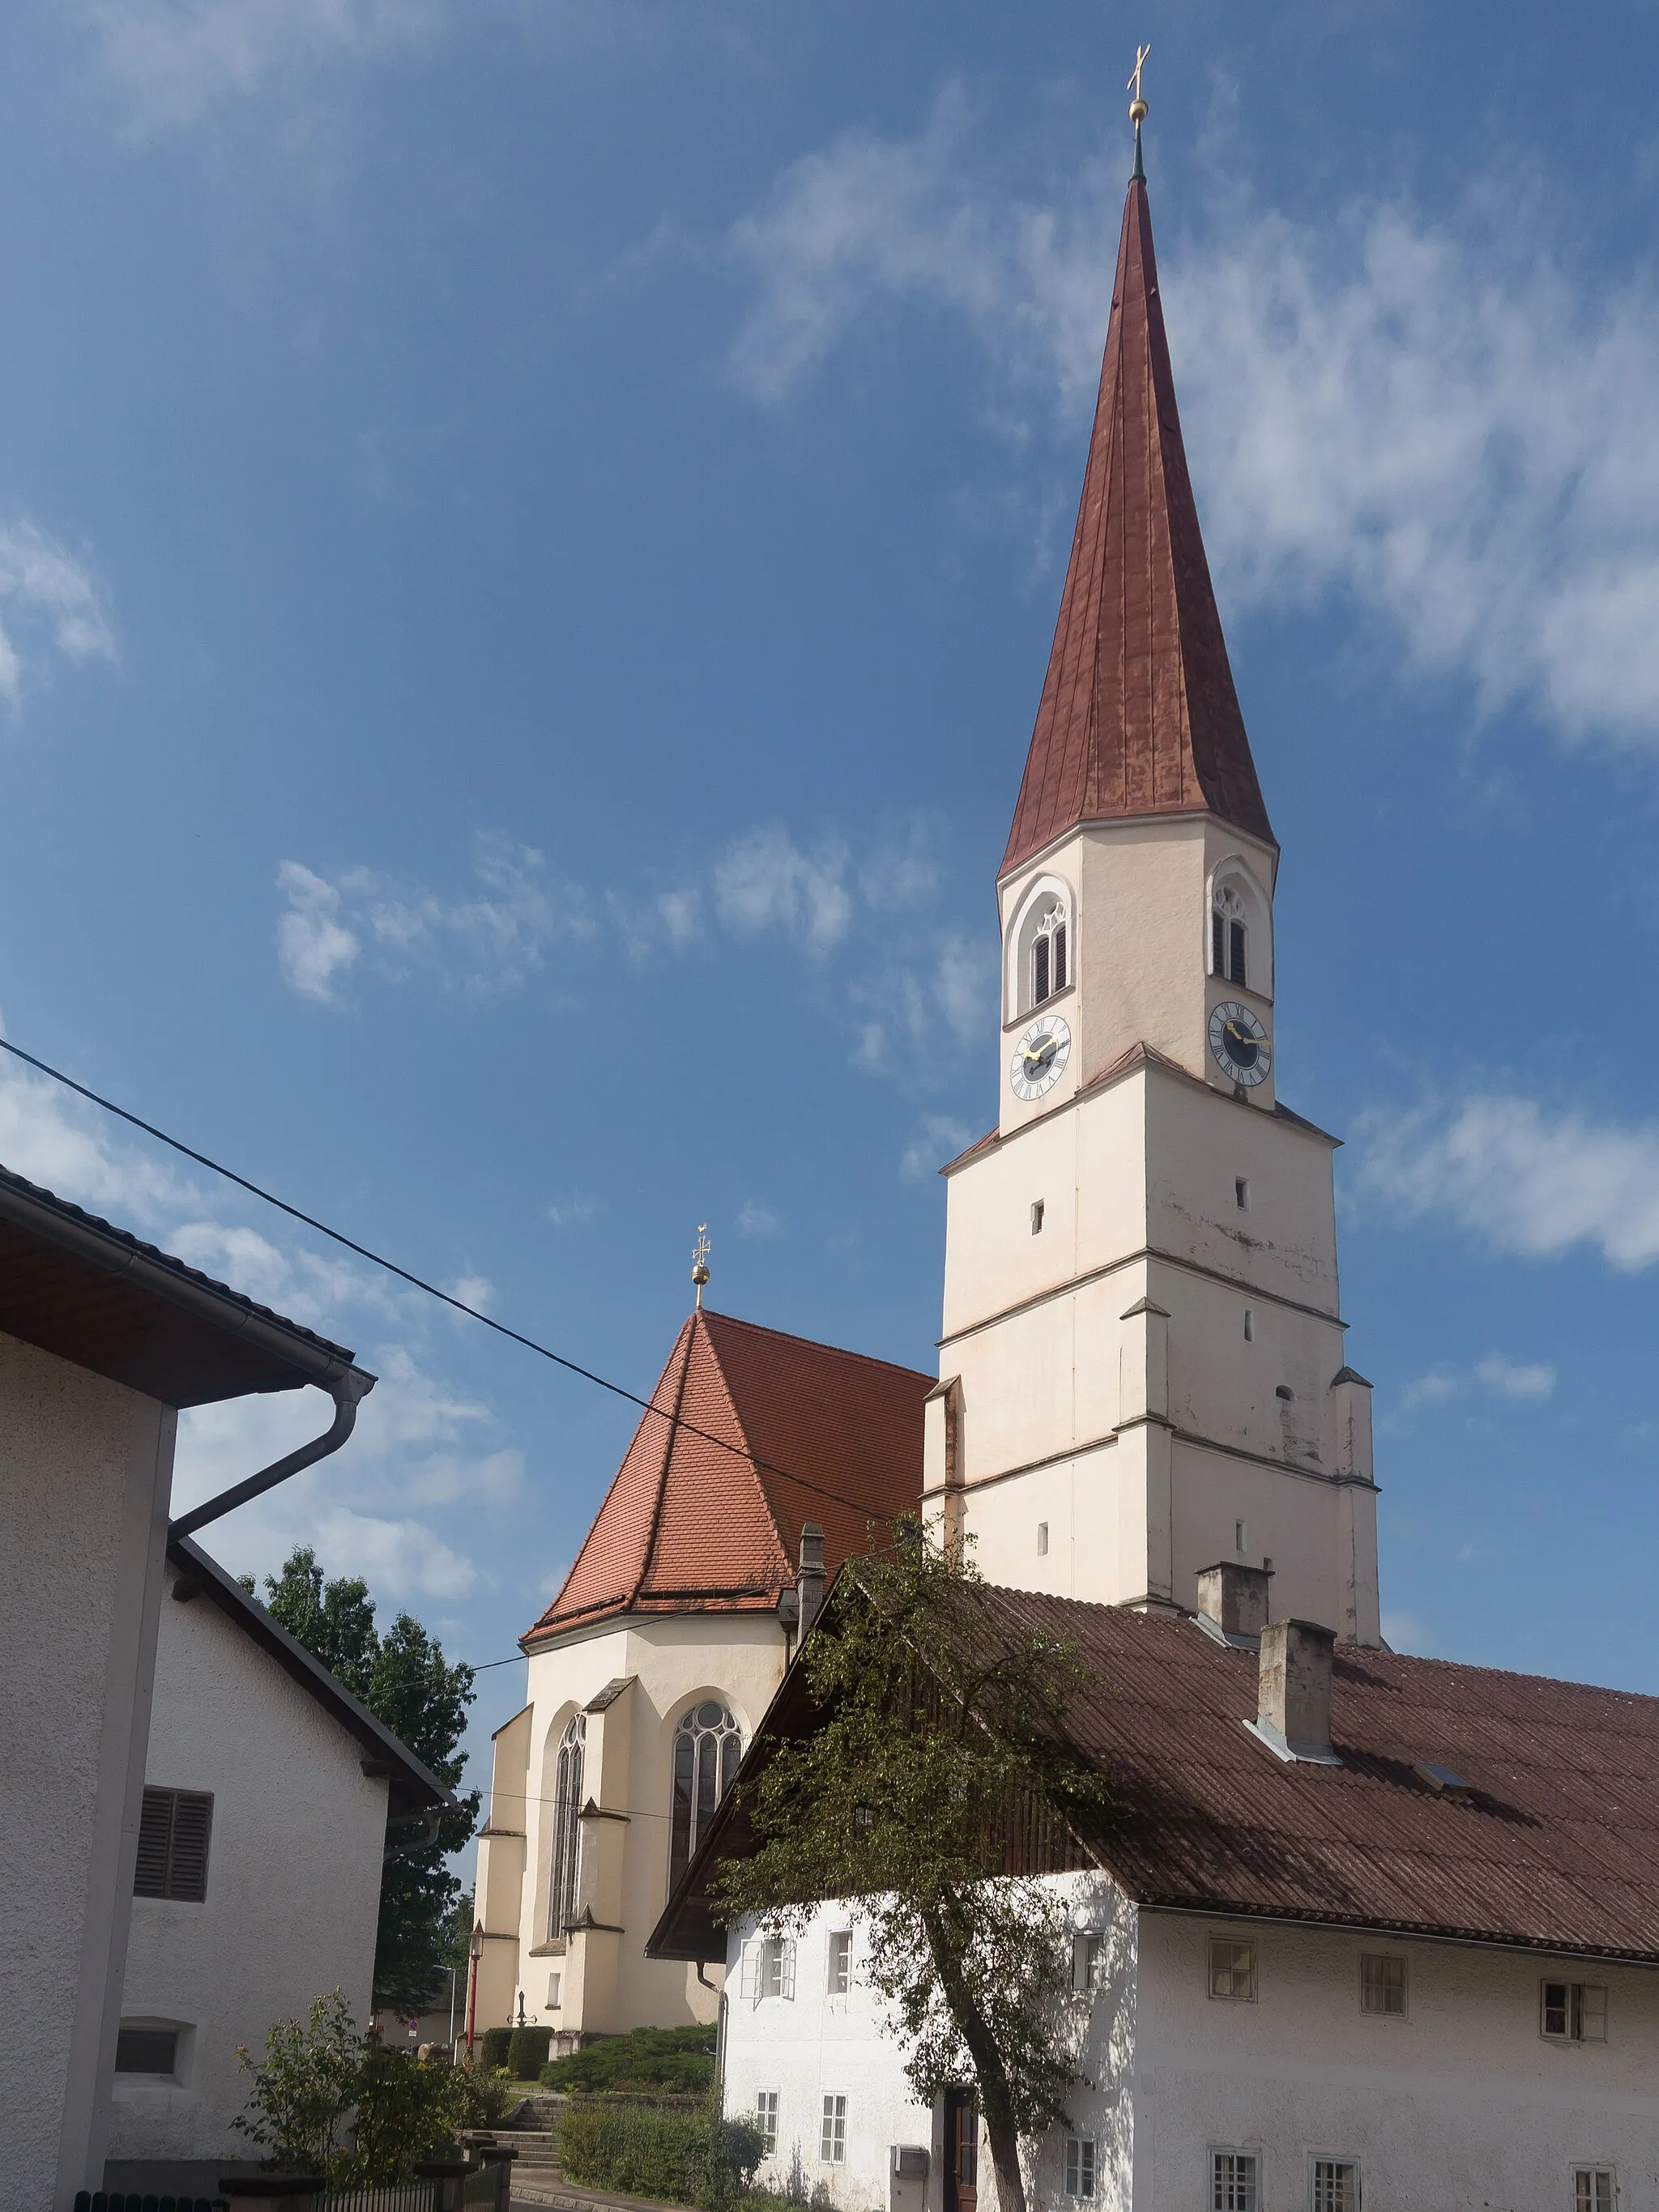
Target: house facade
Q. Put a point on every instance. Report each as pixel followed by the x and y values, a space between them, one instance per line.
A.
pixel 268 1790
pixel 764 1461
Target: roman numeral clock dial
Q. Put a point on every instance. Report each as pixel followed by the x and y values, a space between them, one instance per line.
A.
pixel 1039 1057
pixel 1240 1044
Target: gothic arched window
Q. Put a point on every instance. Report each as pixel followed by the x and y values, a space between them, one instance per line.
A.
pixel 707 1749
pixel 1048 955
pixel 567 1832
pixel 1228 936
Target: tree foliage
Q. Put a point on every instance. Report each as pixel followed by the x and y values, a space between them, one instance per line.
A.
pixel 405 1681
pixel 929 1794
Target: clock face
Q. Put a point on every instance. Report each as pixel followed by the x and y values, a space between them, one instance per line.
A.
pixel 1240 1044
pixel 1039 1056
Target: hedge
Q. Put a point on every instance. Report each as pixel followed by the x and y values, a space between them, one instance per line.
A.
pixel 493 2048
pixel 679 2060
pixel 526 2052
pixel 644 2150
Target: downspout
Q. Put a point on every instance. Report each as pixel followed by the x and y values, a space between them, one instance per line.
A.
pixel 348 1391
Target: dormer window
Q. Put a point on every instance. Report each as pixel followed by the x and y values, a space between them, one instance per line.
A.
pixel 1048 956
pixel 1230 936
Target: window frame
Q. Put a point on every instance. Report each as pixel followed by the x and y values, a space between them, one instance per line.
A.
pixel 1370 1959
pixel 1593 2170
pixel 565 1847
pixel 1582 2001
pixel 1215 1943
pixel 1233 2203
pixel 1088 1956
pixel 1047 908
pixel 832 2129
pixel 141 2077
pixel 766 2118
pixel 1082 2160
pixel 177 1886
pixel 838 1959
pixel 715 1750
pixel 1334 2158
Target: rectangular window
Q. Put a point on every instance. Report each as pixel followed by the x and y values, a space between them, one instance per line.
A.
pixel 777 1967
pixel 1036 1217
pixel 1249 1325
pixel 555 1984
pixel 1085 1960
pixel 1574 2012
pixel 173 1829
pixel 1335 2185
pixel 147 2051
pixel 1040 972
pixel 1240 1536
pixel 832 2137
pixel 1592 2189
pixel 1232 1970
pixel 1042 1540
pixel 766 2112
pixel 1080 2168
pixel 840 1963
pixel 1235 2181
pixel 1381 1984
pixel 1242 1193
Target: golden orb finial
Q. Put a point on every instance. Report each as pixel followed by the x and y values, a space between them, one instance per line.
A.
pixel 700 1260
pixel 1139 110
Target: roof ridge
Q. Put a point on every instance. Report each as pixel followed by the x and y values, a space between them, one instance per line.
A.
pixel 688 1337
pixel 813 1343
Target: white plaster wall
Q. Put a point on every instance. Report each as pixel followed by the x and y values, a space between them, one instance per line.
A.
pixel 85 1473
pixel 293 1888
pixel 607 1985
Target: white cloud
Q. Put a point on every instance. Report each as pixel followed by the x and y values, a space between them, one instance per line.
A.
pixel 488 941
pixel 682 915
pixel 757 1220
pixel 1404 1632
pixel 901 1006
pixel 1501 1377
pixel 474 1291
pixel 940 1137
pixel 573 1212
pixel 1431 1389
pixel 1524 1180
pixel 43 588
pixel 765 880
pixel 1432 418
pixel 1512 1378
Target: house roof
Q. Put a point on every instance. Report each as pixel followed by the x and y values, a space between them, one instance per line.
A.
pixel 412 1787
pixel 1139 715
pixel 77 1286
pixel 807 1432
pixel 1555 1848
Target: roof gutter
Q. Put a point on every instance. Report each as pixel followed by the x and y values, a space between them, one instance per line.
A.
pixel 348 1389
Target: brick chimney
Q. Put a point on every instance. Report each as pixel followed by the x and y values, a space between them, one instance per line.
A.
pixel 810 1579
pixel 1293 1698
pixel 1234 1597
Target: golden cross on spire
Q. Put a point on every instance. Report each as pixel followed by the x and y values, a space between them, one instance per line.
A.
pixel 700 1260
pixel 1138 104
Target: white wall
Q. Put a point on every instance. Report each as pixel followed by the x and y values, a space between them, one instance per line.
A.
pixel 85 1473
pixel 292 1887
pixel 1459 2106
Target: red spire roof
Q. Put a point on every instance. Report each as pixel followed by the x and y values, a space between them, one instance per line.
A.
pixel 690 1526
pixel 1138 711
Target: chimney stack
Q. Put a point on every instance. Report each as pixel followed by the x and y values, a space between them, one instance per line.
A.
pixel 1234 1597
pixel 810 1580
pixel 1293 1711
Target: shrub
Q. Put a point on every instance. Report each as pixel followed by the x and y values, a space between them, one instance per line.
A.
pixel 642 2150
pixel 493 2045
pixel 680 2059
pixel 526 2052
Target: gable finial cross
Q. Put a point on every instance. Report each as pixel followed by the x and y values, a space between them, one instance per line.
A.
pixel 700 1252
pixel 1138 104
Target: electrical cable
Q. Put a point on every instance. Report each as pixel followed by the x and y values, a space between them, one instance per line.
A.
pixel 617 1390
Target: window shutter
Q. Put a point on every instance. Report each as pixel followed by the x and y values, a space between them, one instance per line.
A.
pixel 747 1976
pixel 1060 957
pixel 787 1963
pixel 192 1823
pixel 1237 933
pixel 1217 945
pixel 154 1843
pixel 1040 970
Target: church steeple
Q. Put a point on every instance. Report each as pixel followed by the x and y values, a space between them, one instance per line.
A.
pixel 1139 713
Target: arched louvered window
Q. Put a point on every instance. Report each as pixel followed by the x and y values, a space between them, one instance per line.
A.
pixel 566 1830
pixel 707 1749
pixel 1228 936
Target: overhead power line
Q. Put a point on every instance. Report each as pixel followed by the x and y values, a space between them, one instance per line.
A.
pixel 419 1283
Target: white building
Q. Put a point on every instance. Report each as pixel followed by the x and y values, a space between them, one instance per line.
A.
pixel 1367 1927
pixel 267 1793
pixel 651 1669
pixel 102 1340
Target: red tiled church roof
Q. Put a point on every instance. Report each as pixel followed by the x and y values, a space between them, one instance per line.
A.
pixel 1139 715
pixel 691 1526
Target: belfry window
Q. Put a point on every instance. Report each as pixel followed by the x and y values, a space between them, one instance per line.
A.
pixel 1048 956
pixel 1229 937
pixel 566 1831
pixel 707 1749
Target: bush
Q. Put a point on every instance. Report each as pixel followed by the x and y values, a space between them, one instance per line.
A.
pixel 679 2060
pixel 526 2052
pixel 493 2045
pixel 642 2150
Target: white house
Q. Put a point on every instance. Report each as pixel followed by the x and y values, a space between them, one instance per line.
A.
pixel 651 1668
pixel 267 1793
pixel 102 1340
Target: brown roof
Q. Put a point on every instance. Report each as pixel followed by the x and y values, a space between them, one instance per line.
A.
pixel 809 1433
pixel 1557 1849
pixel 1139 715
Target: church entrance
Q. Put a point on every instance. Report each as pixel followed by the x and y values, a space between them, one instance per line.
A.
pixel 961 2151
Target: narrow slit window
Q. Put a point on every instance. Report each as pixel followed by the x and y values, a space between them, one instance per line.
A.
pixel 1242 1193
pixel 1240 1536
pixel 1042 1540
pixel 1036 1217
pixel 1249 1325
pixel 555 1985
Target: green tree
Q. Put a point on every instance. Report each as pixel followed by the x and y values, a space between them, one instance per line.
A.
pixel 405 1681
pixel 938 1741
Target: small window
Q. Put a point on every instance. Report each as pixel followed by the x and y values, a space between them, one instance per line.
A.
pixel 832 2135
pixel 1232 1970
pixel 840 1978
pixel 153 2051
pixel 777 1967
pixel 765 2114
pixel 1080 2168
pixel 555 1984
pixel 1240 1536
pixel 1335 2184
pixel 1085 1960
pixel 1383 1985
pixel 174 1830
pixel 1575 2012
pixel 1036 1217
pixel 1592 2189
pixel 1249 1324
pixel 1235 2181
pixel 1242 1193
pixel 1042 1540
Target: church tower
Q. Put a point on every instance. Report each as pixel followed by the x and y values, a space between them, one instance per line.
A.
pixel 1142 1369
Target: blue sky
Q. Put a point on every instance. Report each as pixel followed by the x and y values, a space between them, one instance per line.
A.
pixel 529 534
